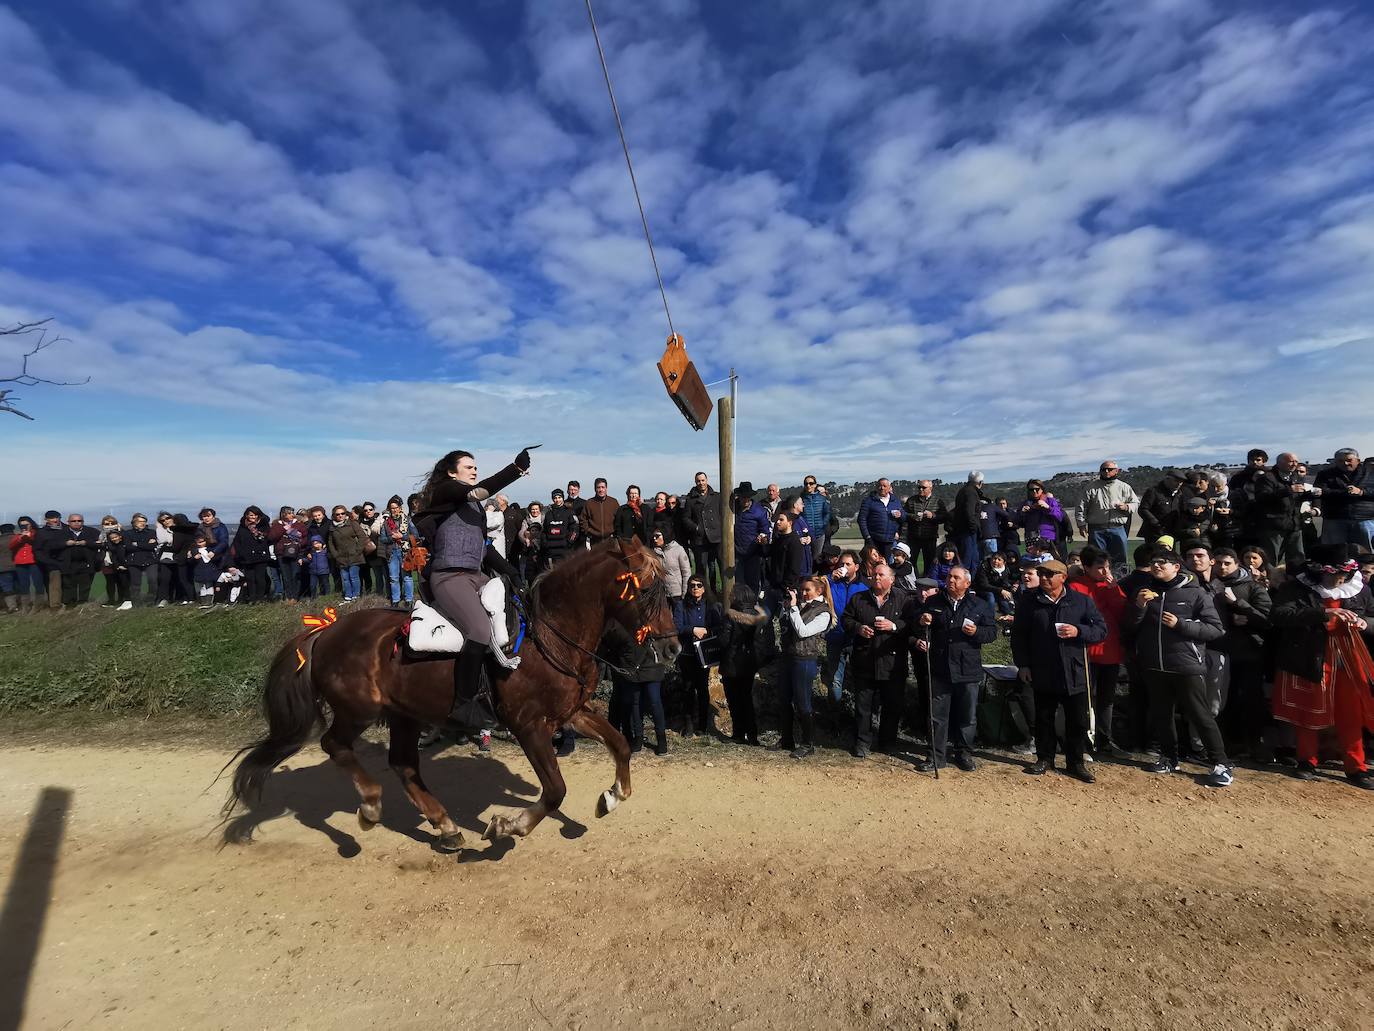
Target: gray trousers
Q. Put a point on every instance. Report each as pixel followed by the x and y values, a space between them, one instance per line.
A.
pixel 456 597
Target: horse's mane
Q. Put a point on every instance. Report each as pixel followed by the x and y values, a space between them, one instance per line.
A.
pixel 563 579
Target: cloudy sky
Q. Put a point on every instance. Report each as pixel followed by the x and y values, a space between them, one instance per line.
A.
pixel 303 247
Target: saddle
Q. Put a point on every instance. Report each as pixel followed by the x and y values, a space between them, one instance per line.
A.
pixel 427 632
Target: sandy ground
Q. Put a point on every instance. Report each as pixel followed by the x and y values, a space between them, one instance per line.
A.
pixel 733 890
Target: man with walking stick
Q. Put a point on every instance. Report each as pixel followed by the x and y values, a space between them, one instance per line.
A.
pixel 955 625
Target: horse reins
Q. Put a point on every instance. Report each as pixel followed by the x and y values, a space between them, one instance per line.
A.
pixel 629 592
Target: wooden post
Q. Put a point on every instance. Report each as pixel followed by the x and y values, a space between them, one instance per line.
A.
pixel 725 419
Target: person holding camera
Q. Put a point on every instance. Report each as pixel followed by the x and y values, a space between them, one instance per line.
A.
pixel 807 614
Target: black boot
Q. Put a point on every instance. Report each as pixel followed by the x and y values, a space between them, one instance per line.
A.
pixel 806 748
pixel 660 743
pixel 473 703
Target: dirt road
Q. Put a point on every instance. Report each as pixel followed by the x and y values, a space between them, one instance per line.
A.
pixel 730 891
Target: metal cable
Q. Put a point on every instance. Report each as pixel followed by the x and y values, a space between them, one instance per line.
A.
pixel 620 127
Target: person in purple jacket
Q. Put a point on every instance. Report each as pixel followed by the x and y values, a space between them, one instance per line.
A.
pixel 1041 514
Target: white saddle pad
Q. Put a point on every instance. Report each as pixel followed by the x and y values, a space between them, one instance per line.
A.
pixel 431 632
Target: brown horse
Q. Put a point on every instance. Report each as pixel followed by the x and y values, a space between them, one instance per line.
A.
pixel 357 667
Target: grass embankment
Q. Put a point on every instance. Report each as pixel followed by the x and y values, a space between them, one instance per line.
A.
pixel 148 662
pixel 172 662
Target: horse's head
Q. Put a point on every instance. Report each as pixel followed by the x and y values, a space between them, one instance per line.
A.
pixel 641 605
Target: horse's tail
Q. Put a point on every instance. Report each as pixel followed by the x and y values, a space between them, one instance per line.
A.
pixel 292 709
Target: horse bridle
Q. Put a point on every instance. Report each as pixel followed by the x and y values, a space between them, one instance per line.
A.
pixel 630 590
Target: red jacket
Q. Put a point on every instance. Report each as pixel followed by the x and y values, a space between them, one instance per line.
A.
pixel 22 547
pixel 1111 601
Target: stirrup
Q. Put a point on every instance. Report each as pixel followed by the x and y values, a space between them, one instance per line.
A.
pixel 499 654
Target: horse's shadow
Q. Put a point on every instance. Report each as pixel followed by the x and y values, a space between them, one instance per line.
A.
pixel 466 784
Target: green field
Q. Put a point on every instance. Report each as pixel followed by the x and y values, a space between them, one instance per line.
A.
pixel 178 661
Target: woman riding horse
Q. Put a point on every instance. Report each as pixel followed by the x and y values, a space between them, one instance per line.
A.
pixel 453 521
pixel 355 671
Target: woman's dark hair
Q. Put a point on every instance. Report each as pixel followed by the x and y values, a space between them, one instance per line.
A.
pixel 29 520
pixel 441 469
pixel 262 517
pixel 395 499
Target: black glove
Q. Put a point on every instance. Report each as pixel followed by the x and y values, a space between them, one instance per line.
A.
pixel 522 460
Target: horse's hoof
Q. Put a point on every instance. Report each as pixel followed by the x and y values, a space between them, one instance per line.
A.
pixel 451 842
pixel 606 803
pixel 496 829
pixel 369 816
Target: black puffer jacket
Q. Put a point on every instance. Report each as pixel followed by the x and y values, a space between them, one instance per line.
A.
pixel 140 547
pixel 1176 649
pixel 1157 507
pixel 1245 619
pixel 1298 625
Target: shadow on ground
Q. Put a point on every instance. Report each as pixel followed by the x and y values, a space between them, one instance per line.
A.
pixel 467 785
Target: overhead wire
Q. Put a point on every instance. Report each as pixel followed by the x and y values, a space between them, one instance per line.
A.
pixel 620 127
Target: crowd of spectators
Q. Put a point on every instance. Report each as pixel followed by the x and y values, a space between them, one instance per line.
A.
pixel 1216 606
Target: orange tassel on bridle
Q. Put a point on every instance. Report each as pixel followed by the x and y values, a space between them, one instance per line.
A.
pixel 316 624
pixel 629 591
pixel 630 586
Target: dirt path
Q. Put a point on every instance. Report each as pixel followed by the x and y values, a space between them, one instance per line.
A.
pixel 728 892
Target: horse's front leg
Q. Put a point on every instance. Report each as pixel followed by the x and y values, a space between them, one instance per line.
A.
pixel 594 725
pixel 536 738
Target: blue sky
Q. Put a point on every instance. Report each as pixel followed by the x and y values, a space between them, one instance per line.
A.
pixel 303 248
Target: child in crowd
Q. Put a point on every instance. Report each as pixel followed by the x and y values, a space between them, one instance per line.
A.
pixel 204 569
pixel 318 567
pixel 945 560
pixel 115 568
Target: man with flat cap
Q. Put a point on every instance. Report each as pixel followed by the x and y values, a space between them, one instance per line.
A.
pixel 951 628
pixel 1049 637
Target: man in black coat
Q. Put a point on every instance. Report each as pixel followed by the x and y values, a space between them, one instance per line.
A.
pixel 954 625
pixel 1158 505
pixel 964 519
pixel 1272 520
pixel 1347 487
pixel 1049 637
pixel 873 620
pixel 925 515
pixel 701 519
pixel 49 545
pixel 78 560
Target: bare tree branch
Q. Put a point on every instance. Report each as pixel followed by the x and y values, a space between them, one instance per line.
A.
pixel 25 378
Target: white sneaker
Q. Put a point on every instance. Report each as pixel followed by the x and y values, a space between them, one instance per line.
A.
pixel 1220 776
pixel 126 606
pixel 162 604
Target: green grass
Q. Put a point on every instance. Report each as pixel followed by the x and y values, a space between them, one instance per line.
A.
pixel 148 662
